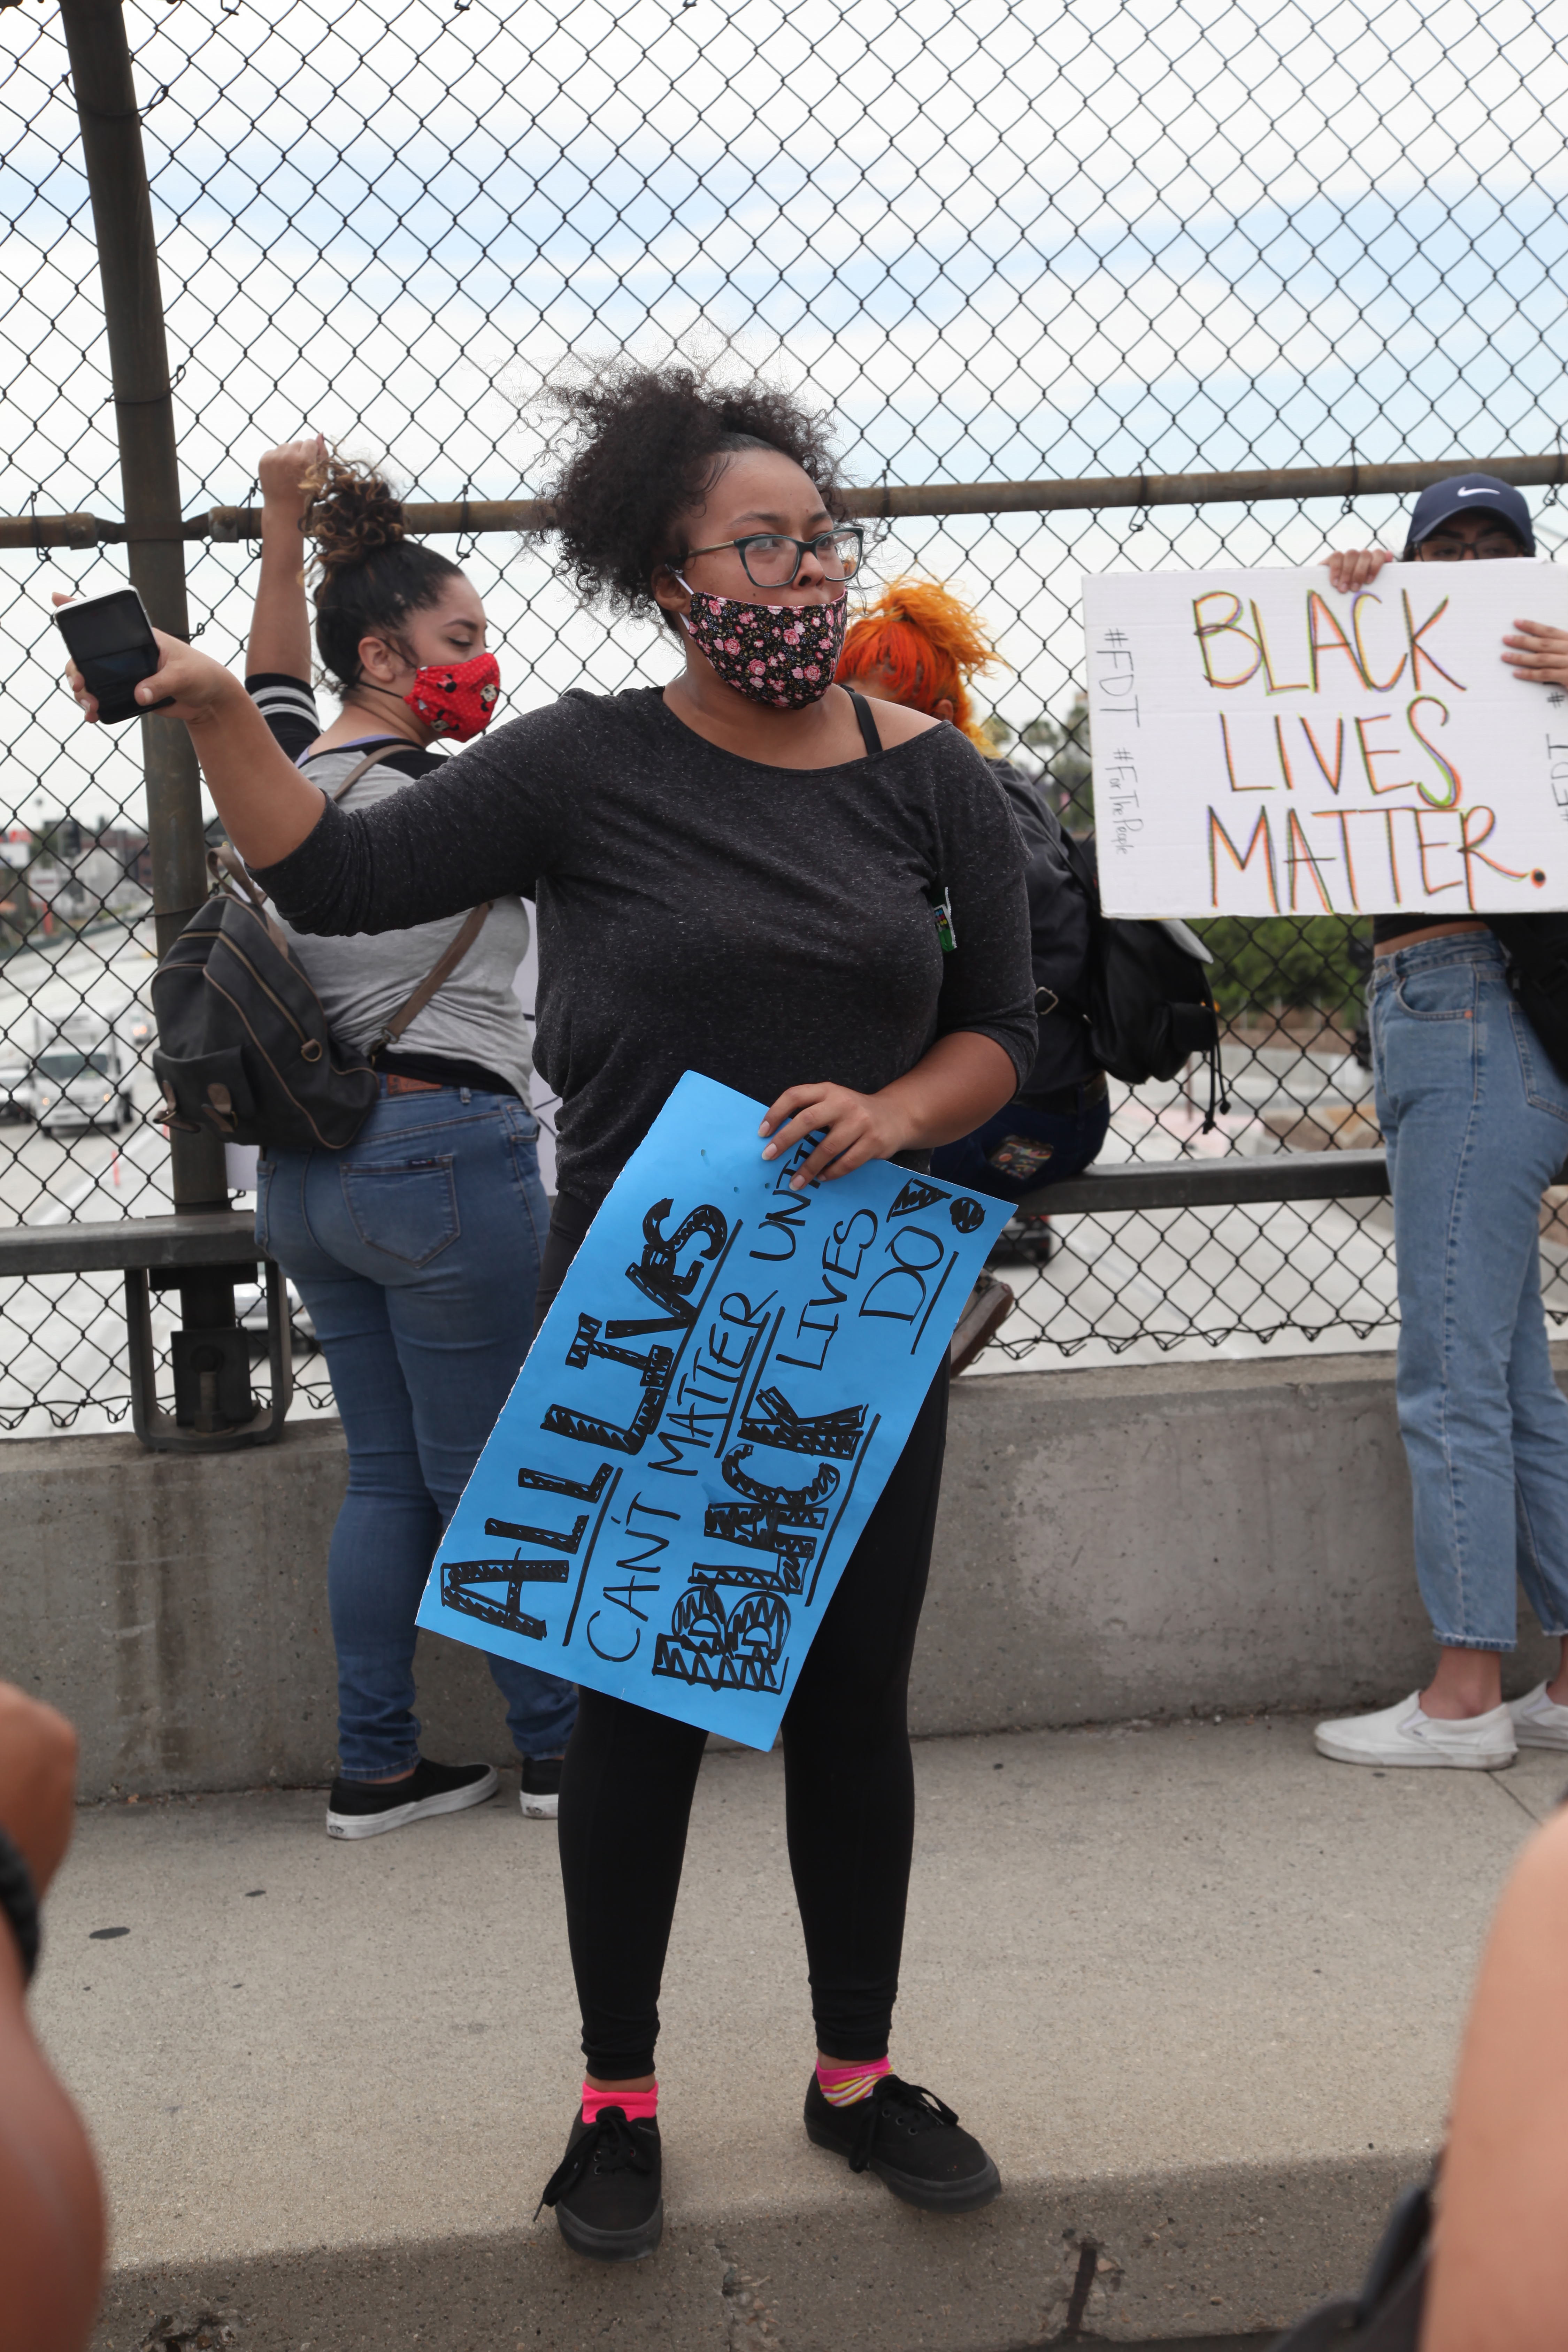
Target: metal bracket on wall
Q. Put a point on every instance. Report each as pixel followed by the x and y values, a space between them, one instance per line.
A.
pixel 159 1431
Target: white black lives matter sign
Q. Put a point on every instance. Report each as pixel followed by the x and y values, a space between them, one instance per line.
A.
pixel 1264 746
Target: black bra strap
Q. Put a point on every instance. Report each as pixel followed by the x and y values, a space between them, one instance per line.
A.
pixel 868 735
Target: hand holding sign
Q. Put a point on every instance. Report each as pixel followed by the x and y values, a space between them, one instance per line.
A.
pixel 1357 739
pixel 713 1405
pixel 1533 651
pixel 853 1128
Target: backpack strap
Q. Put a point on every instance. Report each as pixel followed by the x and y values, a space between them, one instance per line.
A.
pixel 225 862
pixel 227 869
pixel 371 759
pixel 440 972
pixel 437 977
pixel 442 969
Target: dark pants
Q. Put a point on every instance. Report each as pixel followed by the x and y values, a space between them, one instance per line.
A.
pixel 629 1777
pixel 1072 1123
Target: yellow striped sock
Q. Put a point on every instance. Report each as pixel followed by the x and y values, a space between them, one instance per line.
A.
pixel 843 2086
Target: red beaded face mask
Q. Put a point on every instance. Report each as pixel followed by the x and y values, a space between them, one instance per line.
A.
pixel 781 654
pixel 457 699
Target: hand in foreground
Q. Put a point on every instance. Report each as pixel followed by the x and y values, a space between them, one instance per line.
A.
pixel 858 1128
pixel 1538 654
pixel 283 471
pixel 1356 567
pixel 195 685
pixel 37 1781
pixel 51 2206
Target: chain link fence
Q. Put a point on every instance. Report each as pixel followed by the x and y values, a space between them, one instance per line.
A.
pixel 1003 242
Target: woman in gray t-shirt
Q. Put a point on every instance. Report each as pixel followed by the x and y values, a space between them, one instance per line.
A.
pixel 396 1246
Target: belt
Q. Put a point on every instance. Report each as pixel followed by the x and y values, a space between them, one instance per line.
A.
pixel 424 1072
pixel 1064 1101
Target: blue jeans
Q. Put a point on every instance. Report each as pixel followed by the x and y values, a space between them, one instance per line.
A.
pixel 1475 1121
pixel 1075 1138
pixel 416 1252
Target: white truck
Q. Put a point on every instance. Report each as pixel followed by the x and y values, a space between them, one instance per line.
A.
pixel 82 1075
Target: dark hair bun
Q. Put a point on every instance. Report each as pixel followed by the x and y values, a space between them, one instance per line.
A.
pixel 642 442
pixel 370 575
pixel 353 513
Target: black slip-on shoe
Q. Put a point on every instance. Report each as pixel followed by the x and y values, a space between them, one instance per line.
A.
pixel 606 2188
pixel 910 2140
pixel 362 1809
pixel 540 1793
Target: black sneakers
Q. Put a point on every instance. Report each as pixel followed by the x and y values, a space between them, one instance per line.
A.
pixel 605 2190
pixel 910 2140
pixel 360 1809
pixel 541 1790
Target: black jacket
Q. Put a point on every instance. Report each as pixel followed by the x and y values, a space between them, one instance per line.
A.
pixel 1060 920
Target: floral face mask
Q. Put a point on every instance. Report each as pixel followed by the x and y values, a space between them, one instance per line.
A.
pixel 784 654
pixel 457 699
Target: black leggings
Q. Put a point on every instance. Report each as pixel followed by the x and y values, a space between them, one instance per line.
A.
pixel 629 1777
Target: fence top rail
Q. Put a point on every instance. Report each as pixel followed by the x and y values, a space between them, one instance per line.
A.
pixel 196 1237
pixel 219 1237
pixel 882 502
pixel 1218 1183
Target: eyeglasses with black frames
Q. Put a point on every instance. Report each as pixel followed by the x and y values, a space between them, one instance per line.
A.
pixel 1451 548
pixel 772 559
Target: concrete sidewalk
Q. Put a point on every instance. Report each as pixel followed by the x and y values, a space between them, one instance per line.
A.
pixel 1198 1991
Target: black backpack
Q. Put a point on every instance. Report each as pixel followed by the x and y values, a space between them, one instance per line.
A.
pixel 1386 2315
pixel 1145 996
pixel 244 1049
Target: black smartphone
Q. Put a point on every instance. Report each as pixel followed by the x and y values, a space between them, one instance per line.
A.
pixel 112 642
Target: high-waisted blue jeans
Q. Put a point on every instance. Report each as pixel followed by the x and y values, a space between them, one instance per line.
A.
pixel 1475 1121
pixel 416 1251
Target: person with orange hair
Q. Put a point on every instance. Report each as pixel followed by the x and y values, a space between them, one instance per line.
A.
pixel 917 644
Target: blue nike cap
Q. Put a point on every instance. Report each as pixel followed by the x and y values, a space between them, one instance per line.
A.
pixel 1464 494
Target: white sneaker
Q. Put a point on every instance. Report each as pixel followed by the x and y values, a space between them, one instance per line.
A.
pixel 1539 1721
pixel 1403 1734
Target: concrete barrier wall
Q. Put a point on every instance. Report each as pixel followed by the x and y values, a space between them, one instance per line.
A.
pixel 1218 1537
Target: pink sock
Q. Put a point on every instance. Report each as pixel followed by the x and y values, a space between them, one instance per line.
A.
pixel 636 2105
pixel 843 2086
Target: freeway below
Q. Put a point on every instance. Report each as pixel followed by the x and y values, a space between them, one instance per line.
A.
pixel 62 1336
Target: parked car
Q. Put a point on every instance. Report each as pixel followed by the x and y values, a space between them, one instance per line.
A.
pixel 17 1049
pixel 78 1083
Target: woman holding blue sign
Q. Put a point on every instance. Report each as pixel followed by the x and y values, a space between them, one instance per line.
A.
pixel 749 875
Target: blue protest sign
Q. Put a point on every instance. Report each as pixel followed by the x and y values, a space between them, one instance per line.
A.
pixel 712 1407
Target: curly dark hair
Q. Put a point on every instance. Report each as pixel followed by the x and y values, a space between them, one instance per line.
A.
pixel 370 574
pixel 644 443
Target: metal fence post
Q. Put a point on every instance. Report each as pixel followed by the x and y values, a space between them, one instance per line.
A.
pixel 105 95
pixel 144 422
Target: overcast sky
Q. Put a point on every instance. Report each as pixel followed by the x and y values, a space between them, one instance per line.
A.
pixel 1001 240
